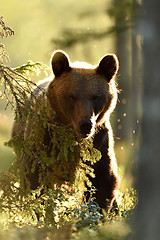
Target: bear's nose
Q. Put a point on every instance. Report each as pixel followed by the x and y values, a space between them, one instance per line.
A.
pixel 85 127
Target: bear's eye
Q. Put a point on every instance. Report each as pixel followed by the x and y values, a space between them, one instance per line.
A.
pixel 95 98
pixel 72 98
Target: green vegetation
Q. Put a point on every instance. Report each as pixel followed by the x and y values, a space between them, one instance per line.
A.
pixel 59 214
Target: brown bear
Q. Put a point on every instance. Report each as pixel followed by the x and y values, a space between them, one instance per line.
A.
pixel 83 97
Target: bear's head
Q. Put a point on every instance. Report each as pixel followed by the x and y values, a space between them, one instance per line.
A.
pixel 83 95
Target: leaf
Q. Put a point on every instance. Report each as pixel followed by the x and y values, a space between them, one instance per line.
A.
pixel 66 153
pixel 31 67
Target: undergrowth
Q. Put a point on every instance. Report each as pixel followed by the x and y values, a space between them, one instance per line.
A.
pixel 59 214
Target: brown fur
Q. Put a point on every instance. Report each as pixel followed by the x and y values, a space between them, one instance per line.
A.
pixel 84 96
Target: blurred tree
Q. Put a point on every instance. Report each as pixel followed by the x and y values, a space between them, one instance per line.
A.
pixel 124 12
pixel 69 36
pixel 136 73
pixel 148 212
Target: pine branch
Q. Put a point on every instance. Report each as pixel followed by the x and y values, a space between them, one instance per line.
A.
pixel 71 37
pixel 6 31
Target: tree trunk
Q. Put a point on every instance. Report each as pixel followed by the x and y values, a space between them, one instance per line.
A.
pixel 123 45
pixel 147 219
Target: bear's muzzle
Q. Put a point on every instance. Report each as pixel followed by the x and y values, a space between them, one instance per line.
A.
pixel 85 127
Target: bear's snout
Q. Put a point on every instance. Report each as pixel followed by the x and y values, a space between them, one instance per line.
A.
pixel 85 127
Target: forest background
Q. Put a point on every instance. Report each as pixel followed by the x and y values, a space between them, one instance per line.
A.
pixel 86 30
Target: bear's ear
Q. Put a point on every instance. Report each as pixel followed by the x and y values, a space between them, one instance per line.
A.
pixel 108 66
pixel 60 63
